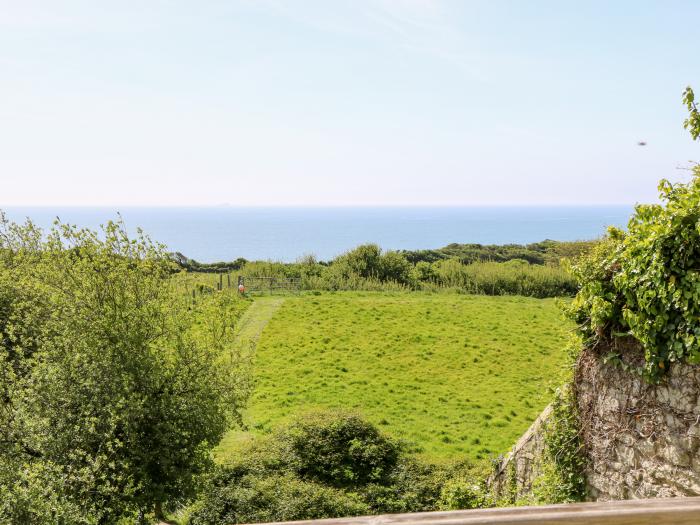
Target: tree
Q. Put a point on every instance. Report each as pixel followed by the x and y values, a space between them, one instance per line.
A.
pixel 692 123
pixel 110 399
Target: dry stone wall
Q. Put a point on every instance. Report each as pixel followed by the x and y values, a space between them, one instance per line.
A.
pixel 513 476
pixel 641 440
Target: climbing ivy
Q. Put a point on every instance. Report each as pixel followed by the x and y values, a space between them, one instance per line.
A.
pixel 645 283
pixel 562 478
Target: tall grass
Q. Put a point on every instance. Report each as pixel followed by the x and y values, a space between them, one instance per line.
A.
pixel 510 278
pixel 515 277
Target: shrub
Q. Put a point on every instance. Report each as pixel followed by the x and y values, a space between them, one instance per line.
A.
pixel 323 465
pixel 340 449
pixel 277 497
pixel 367 262
pixel 412 486
pixel 363 261
pixel 464 493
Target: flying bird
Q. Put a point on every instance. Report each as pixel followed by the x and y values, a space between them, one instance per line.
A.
pixel 641 143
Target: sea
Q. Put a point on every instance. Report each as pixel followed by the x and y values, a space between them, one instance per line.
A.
pixel 285 234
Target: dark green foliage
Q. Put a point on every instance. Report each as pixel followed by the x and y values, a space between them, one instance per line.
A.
pixel 323 465
pixel 276 497
pixel 545 252
pixel 645 283
pixel 340 450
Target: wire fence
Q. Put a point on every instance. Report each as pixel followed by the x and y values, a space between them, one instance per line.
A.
pixel 269 285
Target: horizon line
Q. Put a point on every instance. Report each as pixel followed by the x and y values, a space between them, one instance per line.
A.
pixel 317 206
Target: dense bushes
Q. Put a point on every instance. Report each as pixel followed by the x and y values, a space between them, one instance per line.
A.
pixel 275 497
pixel 328 464
pixel 489 270
pixel 545 252
pixel 514 277
pixel 368 262
pixel 110 398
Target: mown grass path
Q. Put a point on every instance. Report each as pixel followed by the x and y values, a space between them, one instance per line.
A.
pixel 248 331
pixel 254 320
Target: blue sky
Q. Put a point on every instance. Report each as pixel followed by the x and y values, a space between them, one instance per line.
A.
pixel 343 102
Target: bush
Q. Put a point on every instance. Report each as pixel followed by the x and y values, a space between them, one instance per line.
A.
pixel 340 449
pixel 411 487
pixel 323 465
pixel 464 493
pixel 367 262
pixel 277 497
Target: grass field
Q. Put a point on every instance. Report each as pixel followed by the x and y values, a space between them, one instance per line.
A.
pixel 455 375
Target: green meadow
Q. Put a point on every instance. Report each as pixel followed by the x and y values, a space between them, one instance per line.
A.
pixel 455 376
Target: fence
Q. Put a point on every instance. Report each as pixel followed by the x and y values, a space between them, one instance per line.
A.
pixel 270 284
pixel 669 511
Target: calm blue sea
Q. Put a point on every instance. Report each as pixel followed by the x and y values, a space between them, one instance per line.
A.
pixel 284 234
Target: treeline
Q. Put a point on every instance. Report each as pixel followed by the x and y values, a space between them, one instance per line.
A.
pixel 544 252
pixel 532 270
pixel 215 267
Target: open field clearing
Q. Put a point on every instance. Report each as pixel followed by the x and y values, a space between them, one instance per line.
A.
pixel 456 376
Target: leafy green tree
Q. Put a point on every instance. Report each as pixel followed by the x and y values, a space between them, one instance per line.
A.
pixel 363 261
pixel 395 267
pixel 368 262
pixel 111 397
pixel 692 123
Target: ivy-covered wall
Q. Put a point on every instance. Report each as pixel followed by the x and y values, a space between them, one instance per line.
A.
pixel 629 425
pixel 547 464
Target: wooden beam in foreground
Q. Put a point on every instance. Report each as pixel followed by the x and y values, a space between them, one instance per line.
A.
pixel 664 511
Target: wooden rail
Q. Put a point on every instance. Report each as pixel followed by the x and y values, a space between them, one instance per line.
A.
pixel 668 511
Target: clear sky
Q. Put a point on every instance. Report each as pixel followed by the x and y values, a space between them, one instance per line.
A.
pixel 343 102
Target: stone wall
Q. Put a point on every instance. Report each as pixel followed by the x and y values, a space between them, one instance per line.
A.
pixel 514 475
pixel 641 440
